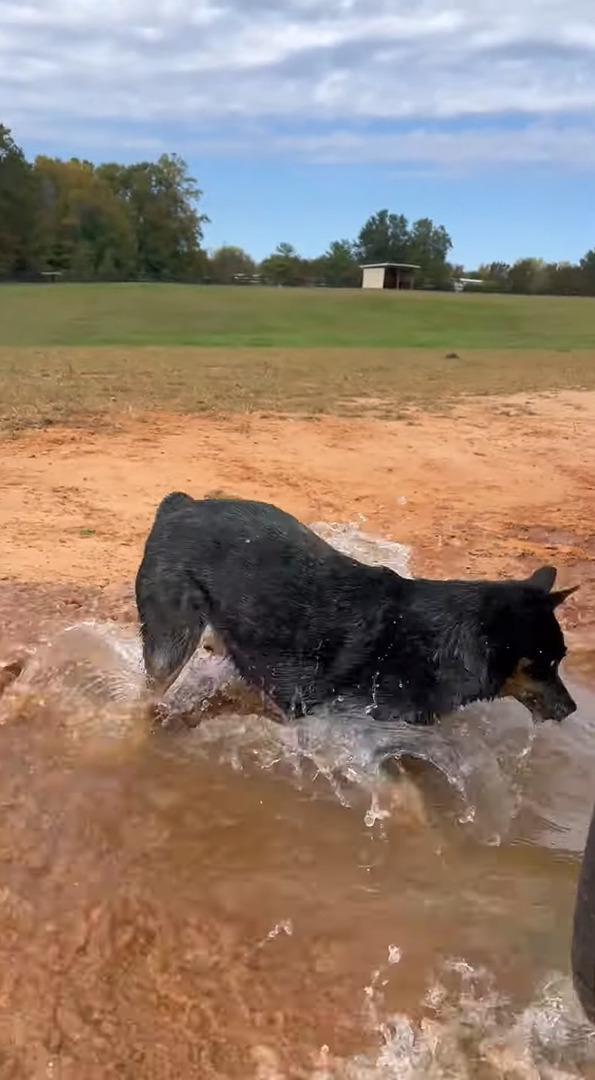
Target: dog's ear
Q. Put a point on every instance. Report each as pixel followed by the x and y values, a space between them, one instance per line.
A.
pixel 559 597
pixel 543 578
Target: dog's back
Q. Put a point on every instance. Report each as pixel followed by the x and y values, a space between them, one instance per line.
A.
pixel 251 541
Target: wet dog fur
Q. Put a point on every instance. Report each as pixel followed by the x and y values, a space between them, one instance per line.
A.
pixel 307 625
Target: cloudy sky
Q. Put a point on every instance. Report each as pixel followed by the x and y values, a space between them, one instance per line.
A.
pixel 301 117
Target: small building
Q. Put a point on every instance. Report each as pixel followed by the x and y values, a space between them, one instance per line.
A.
pixel 388 275
pixel 246 279
pixel 460 284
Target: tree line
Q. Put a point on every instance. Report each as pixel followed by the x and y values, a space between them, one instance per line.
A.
pixel 143 221
pixel 98 222
pixel 536 276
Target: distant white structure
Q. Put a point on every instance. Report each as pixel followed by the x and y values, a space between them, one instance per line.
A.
pixel 460 283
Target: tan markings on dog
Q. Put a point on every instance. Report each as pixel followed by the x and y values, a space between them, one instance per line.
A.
pixel 211 643
pixel 521 685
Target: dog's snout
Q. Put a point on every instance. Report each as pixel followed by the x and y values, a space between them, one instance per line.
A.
pixel 565 708
pixel 557 704
pixel 546 699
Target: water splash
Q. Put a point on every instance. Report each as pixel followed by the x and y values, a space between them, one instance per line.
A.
pixel 469 1033
pixel 350 540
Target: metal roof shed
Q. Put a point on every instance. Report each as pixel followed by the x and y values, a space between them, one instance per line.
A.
pixel 388 275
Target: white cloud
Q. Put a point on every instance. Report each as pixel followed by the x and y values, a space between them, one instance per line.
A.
pixel 539 144
pixel 169 65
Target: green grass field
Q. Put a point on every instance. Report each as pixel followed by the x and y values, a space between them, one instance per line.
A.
pixel 87 315
pixel 73 353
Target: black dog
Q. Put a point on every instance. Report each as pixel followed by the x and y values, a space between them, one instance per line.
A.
pixel 307 625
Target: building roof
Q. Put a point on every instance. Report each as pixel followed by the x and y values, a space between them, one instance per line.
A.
pixel 397 266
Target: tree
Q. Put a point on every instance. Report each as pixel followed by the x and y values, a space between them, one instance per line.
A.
pixel 162 201
pixel 284 266
pixel 383 238
pixel 339 267
pixel 227 262
pixel 497 274
pixel 85 227
pixel 526 276
pixel 113 221
pixel 429 247
pixel 559 279
pixel 19 246
pixel 587 272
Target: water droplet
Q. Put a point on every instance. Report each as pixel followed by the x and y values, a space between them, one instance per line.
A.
pixel 394 954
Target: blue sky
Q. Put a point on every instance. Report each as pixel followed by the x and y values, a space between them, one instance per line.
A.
pixel 299 118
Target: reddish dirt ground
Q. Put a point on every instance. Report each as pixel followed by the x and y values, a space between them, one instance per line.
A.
pixel 497 486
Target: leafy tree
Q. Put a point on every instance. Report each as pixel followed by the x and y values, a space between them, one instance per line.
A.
pixel 162 200
pixel 429 247
pixel 85 227
pixel 228 261
pixel 587 270
pixel 284 266
pixel 19 245
pixel 339 267
pixel 562 279
pixel 384 238
pixel 497 273
pixel 526 276
pixel 286 250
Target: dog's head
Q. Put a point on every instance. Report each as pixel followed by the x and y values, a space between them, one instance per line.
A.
pixel 535 648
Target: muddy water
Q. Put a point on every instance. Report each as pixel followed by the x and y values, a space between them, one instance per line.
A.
pixel 224 897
